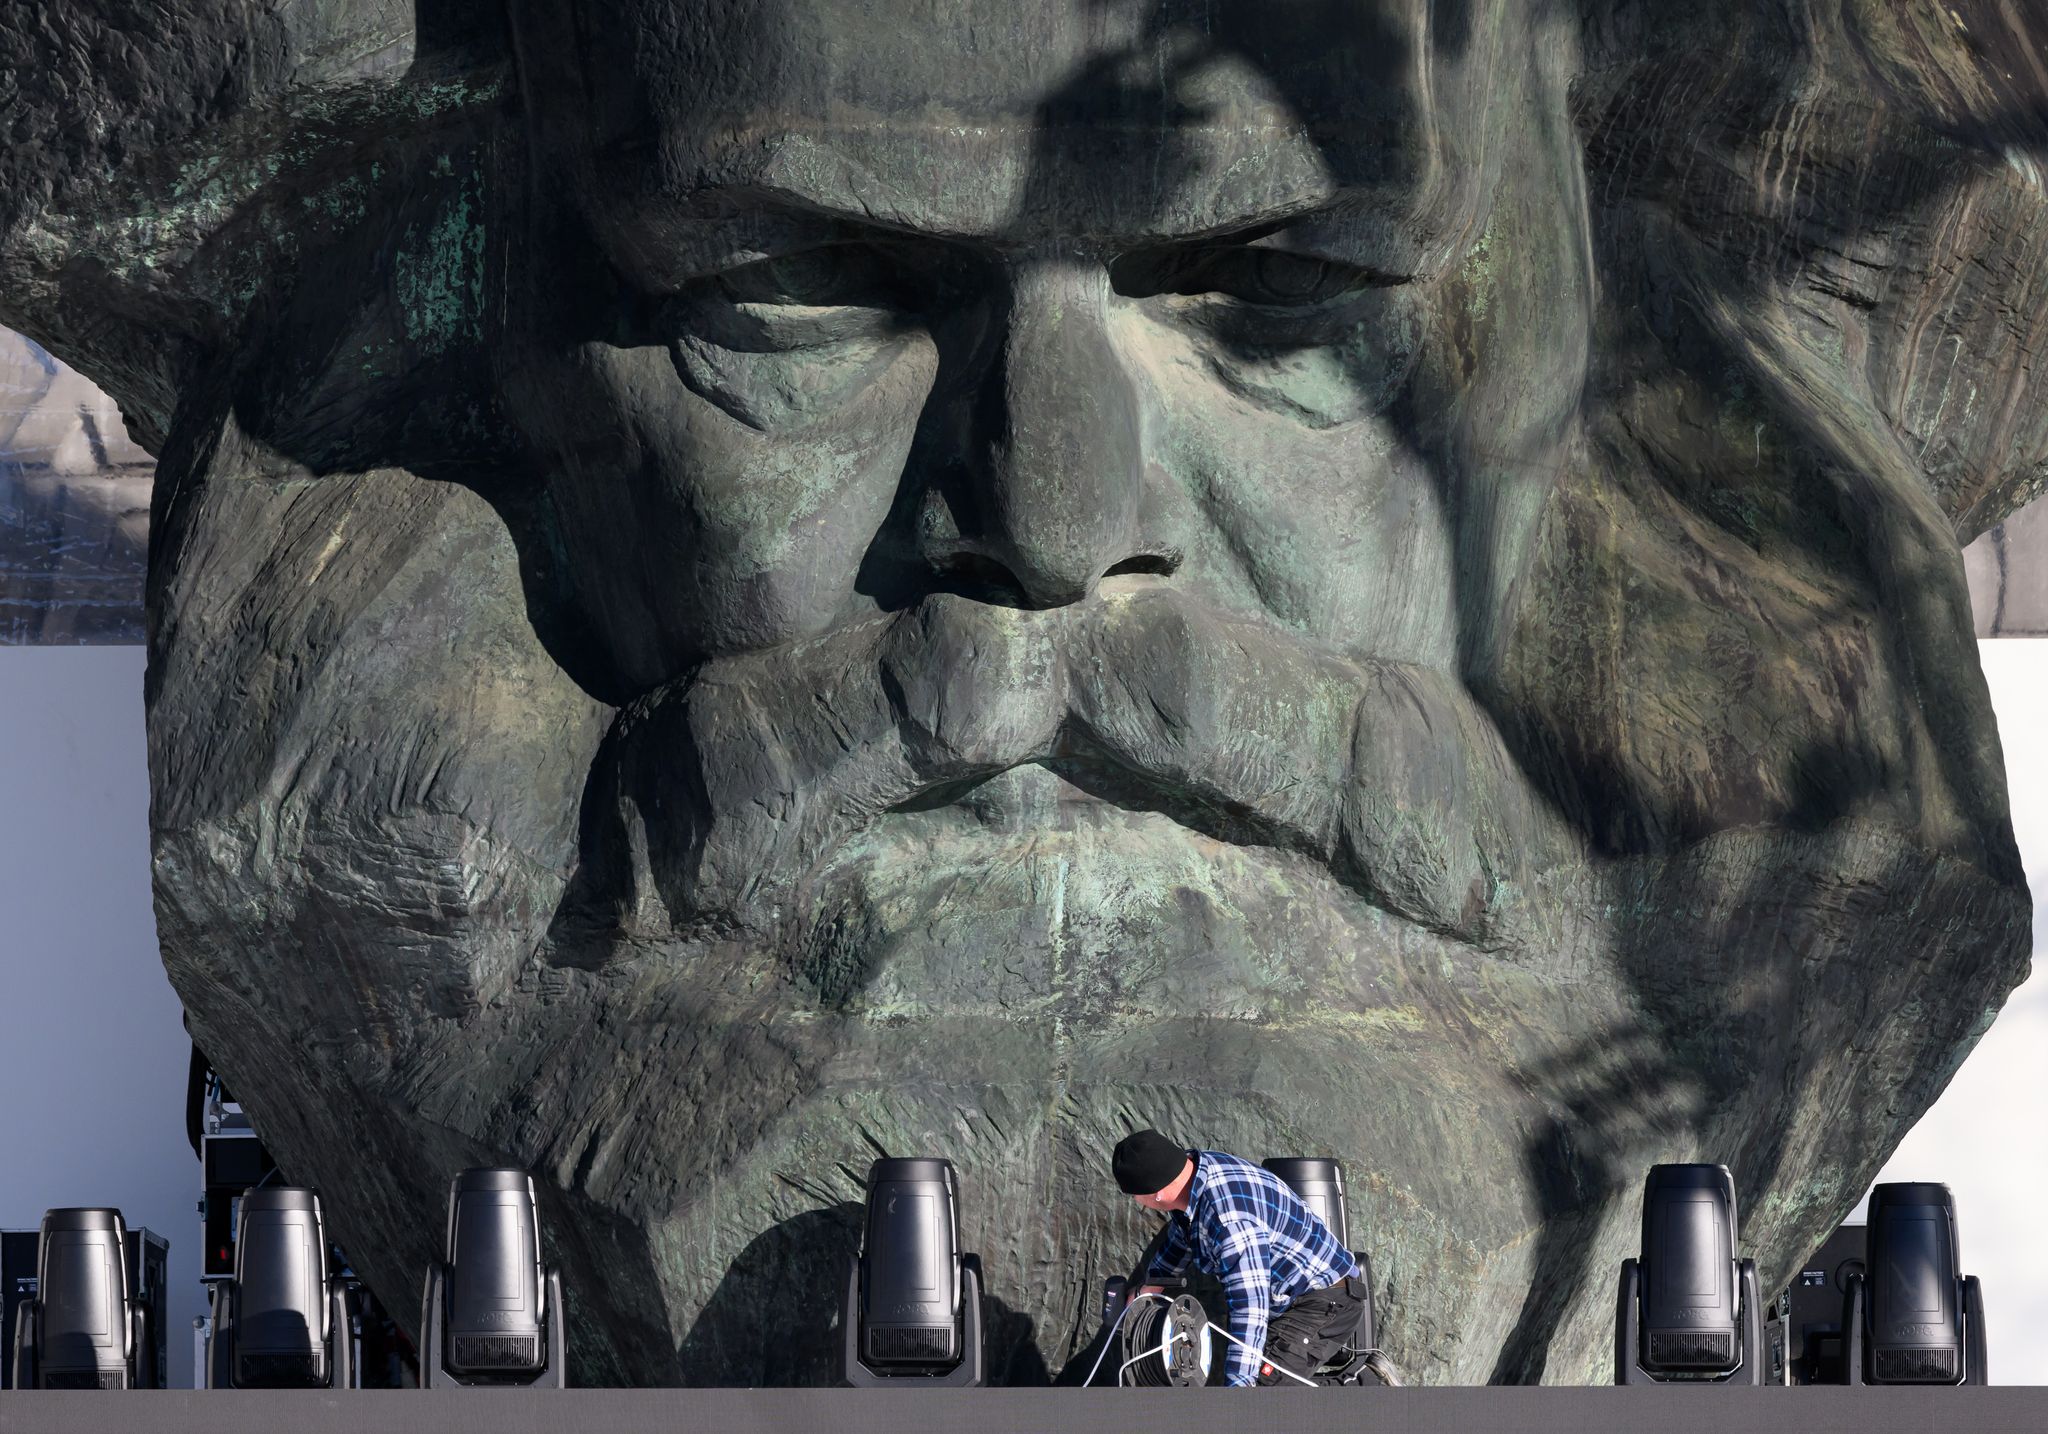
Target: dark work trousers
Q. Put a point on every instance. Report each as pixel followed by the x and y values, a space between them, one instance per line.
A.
pixel 1313 1328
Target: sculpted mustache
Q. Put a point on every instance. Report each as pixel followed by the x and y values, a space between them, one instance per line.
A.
pixel 730 785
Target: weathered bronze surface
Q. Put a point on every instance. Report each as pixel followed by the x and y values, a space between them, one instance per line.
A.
pixel 737 586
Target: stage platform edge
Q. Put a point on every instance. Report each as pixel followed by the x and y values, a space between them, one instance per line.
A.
pixel 2015 1409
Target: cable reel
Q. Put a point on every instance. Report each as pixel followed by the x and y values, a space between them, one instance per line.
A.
pixel 1166 1344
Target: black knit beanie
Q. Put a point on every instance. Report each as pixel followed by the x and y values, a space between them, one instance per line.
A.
pixel 1146 1163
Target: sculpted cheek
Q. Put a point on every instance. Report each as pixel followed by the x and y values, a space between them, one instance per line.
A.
pixel 1335 529
pixel 783 392
pixel 1353 369
pixel 748 488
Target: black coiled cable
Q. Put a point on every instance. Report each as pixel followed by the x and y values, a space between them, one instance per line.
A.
pixel 1168 1342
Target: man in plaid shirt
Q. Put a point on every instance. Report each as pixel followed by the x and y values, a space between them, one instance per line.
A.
pixel 1293 1291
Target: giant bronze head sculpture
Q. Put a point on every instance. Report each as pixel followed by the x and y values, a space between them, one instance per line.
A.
pixel 738 586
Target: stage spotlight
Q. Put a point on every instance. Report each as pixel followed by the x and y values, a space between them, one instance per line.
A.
pixel 1689 1312
pixel 280 1322
pixel 913 1302
pixel 492 1315
pixel 81 1331
pixel 1914 1317
pixel 1320 1184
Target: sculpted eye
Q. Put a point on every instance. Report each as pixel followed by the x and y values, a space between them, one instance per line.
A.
pixel 1316 339
pixel 832 293
pixel 1293 278
pixel 783 342
pixel 830 276
pixel 1272 278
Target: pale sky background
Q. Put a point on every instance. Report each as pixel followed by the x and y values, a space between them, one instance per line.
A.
pixel 93 1058
pixel 1985 1138
pixel 93 1054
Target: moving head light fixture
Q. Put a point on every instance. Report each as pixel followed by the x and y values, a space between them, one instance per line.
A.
pixel 1689 1312
pixel 492 1314
pixel 1914 1317
pixel 81 1331
pixel 279 1322
pixel 913 1301
pixel 1320 1184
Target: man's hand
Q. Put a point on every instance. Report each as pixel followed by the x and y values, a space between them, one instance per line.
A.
pixel 1152 1289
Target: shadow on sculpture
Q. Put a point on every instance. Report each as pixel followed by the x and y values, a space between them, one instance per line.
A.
pixel 773 1320
pixel 474 803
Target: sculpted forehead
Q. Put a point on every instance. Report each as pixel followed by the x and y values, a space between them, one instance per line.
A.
pixel 1016 119
pixel 995 62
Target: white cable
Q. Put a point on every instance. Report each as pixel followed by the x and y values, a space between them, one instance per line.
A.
pixel 1260 1355
pixel 1167 1339
pixel 1139 1358
pixel 1131 1304
pixel 1115 1325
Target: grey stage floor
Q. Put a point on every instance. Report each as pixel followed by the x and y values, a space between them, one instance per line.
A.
pixel 2018 1409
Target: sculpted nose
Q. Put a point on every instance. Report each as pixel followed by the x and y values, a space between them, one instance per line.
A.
pixel 1062 487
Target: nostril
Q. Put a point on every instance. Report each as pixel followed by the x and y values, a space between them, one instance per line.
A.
pixel 983 579
pixel 1157 565
pixel 986 579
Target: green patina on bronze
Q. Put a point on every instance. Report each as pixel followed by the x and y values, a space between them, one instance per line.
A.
pixel 1469 674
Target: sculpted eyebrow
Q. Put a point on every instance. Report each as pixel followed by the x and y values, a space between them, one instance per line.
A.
pixel 1320 233
pixel 720 229
pixel 669 246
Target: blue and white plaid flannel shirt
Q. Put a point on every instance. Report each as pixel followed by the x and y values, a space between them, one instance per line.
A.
pixel 1244 1226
